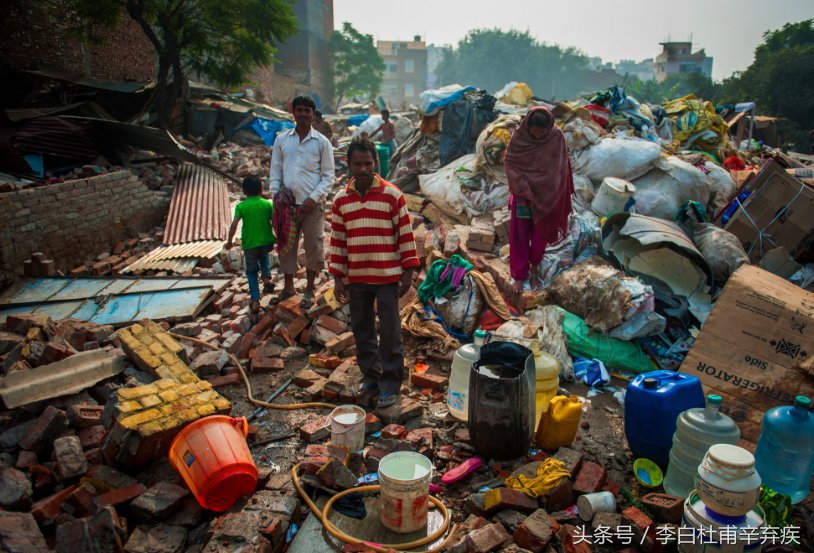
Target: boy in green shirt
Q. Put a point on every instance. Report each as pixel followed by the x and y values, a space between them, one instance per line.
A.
pixel 256 238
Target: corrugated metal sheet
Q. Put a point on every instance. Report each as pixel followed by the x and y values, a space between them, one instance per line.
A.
pixel 169 265
pixel 179 258
pixel 83 80
pixel 111 301
pixel 155 140
pixel 55 136
pixel 199 209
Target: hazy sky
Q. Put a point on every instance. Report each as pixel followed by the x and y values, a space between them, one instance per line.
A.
pixel 728 30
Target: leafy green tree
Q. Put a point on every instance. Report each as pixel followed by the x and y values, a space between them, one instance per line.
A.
pixel 358 66
pixel 780 80
pixel 490 58
pixel 675 86
pixel 221 39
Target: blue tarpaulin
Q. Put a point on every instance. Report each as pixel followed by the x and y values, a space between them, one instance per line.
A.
pixel 356 120
pixel 267 129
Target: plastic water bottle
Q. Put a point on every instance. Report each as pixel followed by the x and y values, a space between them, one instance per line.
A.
pixel 784 456
pixel 696 430
pixel 458 388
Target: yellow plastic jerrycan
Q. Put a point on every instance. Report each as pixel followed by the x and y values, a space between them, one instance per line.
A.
pixel 548 378
pixel 558 424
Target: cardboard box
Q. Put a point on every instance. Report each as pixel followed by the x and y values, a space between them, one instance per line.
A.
pixel 780 206
pixel 756 348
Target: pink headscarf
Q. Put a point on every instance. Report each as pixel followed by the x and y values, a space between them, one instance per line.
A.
pixel 539 171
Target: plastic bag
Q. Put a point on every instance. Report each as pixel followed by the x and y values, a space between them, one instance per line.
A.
pixel 626 158
pixel 443 187
pixel 667 186
pixel 615 354
pixel 368 125
pixel 720 185
pixel 432 101
pixel 722 250
pixel 461 307
pixel 515 93
pixel 584 189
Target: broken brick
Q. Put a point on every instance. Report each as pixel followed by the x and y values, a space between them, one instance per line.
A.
pixel 158 502
pixel 486 539
pixel 70 457
pixel 429 380
pixel 590 479
pixel 47 510
pixel 15 490
pixel 536 531
pixel 499 499
pixel 99 532
pixel 394 431
pixel 315 430
pixel 45 429
pixel 340 343
pixel 335 475
pixel 400 412
pixel 665 507
pixel 571 458
pixel 120 495
pixel 19 533
pixel 267 364
pixel 161 538
pixel 84 415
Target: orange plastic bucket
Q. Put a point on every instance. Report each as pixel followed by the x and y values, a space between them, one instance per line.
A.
pixel 212 457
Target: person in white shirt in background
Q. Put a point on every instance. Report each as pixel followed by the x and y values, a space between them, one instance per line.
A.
pixel 302 160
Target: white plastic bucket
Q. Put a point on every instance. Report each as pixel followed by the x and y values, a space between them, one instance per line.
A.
pixel 404 477
pixel 591 503
pixel 612 196
pixel 348 427
pixel 727 482
pixel 710 533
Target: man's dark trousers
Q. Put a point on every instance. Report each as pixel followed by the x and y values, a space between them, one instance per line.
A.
pixel 381 360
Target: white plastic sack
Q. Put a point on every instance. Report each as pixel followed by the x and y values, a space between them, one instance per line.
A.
pixel 443 187
pixel 625 158
pixel 722 250
pixel 580 134
pixel 720 185
pixel 670 184
pixel 584 188
pixel 368 125
pixel 432 101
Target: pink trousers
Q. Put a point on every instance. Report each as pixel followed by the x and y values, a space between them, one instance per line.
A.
pixel 526 244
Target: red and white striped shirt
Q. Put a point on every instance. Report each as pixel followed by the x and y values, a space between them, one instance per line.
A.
pixel 372 236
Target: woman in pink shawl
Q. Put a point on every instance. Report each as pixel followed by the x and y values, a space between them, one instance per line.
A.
pixel 541 184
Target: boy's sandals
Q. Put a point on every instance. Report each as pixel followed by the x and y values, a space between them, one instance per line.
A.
pixel 268 287
pixel 307 299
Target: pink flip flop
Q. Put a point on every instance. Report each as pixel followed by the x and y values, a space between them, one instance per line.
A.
pixel 462 471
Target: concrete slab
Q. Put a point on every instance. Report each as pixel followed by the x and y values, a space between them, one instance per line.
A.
pixel 312 536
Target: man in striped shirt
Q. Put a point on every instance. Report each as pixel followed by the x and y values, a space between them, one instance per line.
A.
pixel 372 246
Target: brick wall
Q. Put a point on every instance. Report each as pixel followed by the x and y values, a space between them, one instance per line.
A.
pixel 74 220
pixel 31 37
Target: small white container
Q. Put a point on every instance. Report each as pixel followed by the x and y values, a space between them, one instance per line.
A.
pixel 727 481
pixel 348 427
pixel 612 196
pixel 591 503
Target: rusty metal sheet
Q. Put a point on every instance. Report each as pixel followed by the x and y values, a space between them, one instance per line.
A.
pixel 64 377
pixel 155 140
pixel 199 209
pixel 179 258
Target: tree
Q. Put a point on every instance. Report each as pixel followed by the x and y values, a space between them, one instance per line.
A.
pixel 358 66
pixel 675 86
pixel 490 58
pixel 780 80
pixel 221 39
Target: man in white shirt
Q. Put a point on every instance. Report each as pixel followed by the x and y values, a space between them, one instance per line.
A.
pixel 302 160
